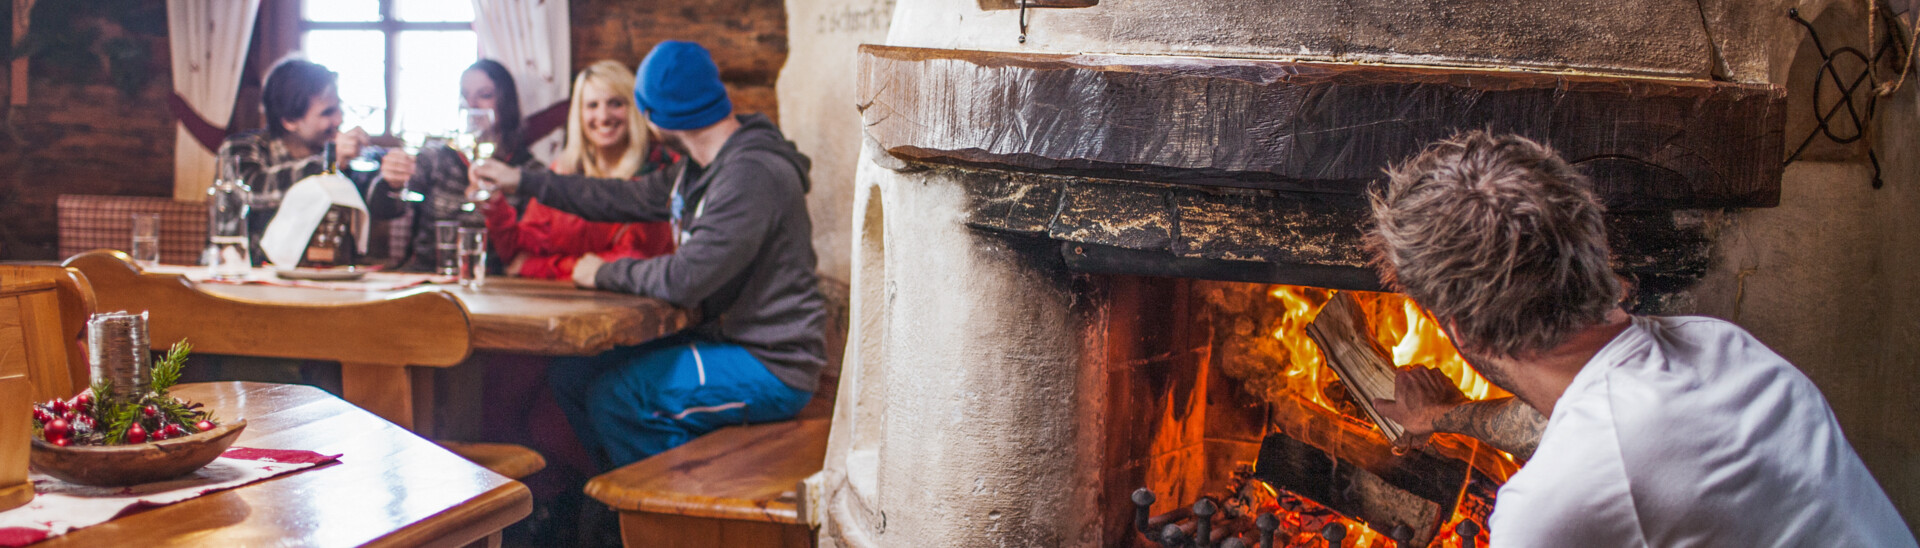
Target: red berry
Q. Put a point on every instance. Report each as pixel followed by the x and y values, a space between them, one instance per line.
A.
pixel 56 428
pixel 40 415
pixel 59 407
pixel 61 442
pixel 136 434
pixel 150 411
pixel 203 426
pixel 173 431
pixel 84 400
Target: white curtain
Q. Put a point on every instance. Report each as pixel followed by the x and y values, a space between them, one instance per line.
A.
pixel 531 38
pixel 209 39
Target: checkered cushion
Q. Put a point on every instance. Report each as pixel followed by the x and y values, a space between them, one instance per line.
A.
pixel 96 222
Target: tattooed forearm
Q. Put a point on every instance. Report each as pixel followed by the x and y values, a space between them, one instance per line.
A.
pixel 1507 424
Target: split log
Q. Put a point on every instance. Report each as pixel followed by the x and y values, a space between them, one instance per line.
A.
pixel 1349 347
pixel 1417 490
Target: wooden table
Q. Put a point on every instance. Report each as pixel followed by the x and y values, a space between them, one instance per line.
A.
pixel 390 488
pixel 387 342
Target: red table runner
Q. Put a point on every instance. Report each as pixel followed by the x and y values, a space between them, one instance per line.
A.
pixel 60 507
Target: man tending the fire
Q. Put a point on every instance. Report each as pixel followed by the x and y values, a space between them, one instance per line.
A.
pixel 1650 431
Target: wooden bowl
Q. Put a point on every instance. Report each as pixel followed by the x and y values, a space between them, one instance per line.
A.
pixel 117 465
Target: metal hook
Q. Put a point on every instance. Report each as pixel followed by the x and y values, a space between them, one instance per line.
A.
pixel 1023 21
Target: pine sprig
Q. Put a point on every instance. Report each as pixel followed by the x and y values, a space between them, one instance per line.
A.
pixel 102 397
pixel 167 372
pixel 121 416
pixel 178 412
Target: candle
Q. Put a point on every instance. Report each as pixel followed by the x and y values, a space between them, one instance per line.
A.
pixel 117 351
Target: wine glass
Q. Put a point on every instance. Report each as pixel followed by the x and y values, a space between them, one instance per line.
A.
pixel 477 143
pixel 363 115
pixel 412 141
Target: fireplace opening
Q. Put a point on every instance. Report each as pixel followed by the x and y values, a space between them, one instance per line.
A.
pixel 1221 391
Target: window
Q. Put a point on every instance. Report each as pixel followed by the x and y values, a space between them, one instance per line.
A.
pixel 399 60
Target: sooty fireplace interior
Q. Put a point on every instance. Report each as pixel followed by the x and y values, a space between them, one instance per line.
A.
pixel 1087 288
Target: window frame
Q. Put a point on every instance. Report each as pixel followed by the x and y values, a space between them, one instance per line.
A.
pixel 390 25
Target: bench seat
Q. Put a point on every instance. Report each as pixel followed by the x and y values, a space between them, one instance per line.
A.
pixel 738 486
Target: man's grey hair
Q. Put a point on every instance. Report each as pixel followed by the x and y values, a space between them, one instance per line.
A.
pixel 1499 238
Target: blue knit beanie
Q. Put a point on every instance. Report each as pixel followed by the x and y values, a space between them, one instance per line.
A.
pixel 678 87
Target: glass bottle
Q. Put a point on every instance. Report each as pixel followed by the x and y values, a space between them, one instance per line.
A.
pixel 334 242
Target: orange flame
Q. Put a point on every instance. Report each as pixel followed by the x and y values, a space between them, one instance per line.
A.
pixel 1401 326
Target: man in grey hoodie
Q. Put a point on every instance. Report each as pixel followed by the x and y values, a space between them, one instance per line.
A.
pixel 744 263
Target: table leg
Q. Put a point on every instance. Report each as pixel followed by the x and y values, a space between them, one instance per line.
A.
pixel 425 403
pixel 385 390
pixel 402 394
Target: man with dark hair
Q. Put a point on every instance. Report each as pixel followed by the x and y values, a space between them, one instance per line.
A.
pixel 1660 431
pixel 744 261
pixel 302 104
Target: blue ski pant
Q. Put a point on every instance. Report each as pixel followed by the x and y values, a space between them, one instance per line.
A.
pixel 634 402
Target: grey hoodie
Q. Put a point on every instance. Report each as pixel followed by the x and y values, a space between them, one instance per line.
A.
pixel 745 260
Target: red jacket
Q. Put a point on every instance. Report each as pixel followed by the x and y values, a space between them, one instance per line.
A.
pixel 554 240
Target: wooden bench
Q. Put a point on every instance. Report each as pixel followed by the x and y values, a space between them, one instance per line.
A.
pixel 738 486
pixel 89 222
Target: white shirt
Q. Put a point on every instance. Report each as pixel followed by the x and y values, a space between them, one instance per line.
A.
pixel 1687 431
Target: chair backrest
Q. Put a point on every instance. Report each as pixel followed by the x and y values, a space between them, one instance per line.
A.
pixel 43 317
pixel 94 222
pixel 424 328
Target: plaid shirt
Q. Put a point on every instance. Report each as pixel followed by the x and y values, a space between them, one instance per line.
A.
pixel 269 169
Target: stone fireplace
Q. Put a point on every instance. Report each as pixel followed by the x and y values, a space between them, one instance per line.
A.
pixel 1080 231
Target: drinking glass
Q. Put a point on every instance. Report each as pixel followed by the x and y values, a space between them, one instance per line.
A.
pixel 446 247
pixel 412 141
pixel 146 239
pixel 477 143
pixel 364 116
pixel 473 258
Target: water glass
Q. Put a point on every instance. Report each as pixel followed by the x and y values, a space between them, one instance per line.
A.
pixel 146 240
pixel 446 247
pixel 473 258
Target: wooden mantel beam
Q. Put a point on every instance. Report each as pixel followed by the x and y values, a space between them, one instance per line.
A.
pixel 1650 143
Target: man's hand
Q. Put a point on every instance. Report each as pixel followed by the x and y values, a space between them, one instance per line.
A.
pixel 503 178
pixel 396 168
pixel 346 146
pixel 585 269
pixel 1421 396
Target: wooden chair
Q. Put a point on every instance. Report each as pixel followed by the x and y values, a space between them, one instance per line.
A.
pixel 387 349
pixel 43 313
pixel 738 486
pixel 53 304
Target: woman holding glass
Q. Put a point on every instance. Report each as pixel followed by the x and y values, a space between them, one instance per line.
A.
pixel 606 138
pixel 432 185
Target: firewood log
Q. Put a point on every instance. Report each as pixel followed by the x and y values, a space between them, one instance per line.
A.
pixel 1349 347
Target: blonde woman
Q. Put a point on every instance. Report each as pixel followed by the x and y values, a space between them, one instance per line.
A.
pixel 606 138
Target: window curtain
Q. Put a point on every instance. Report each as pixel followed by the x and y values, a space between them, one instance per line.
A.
pixel 531 38
pixel 209 39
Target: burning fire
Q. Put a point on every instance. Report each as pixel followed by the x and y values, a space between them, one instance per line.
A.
pixel 1412 336
pixel 1400 326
